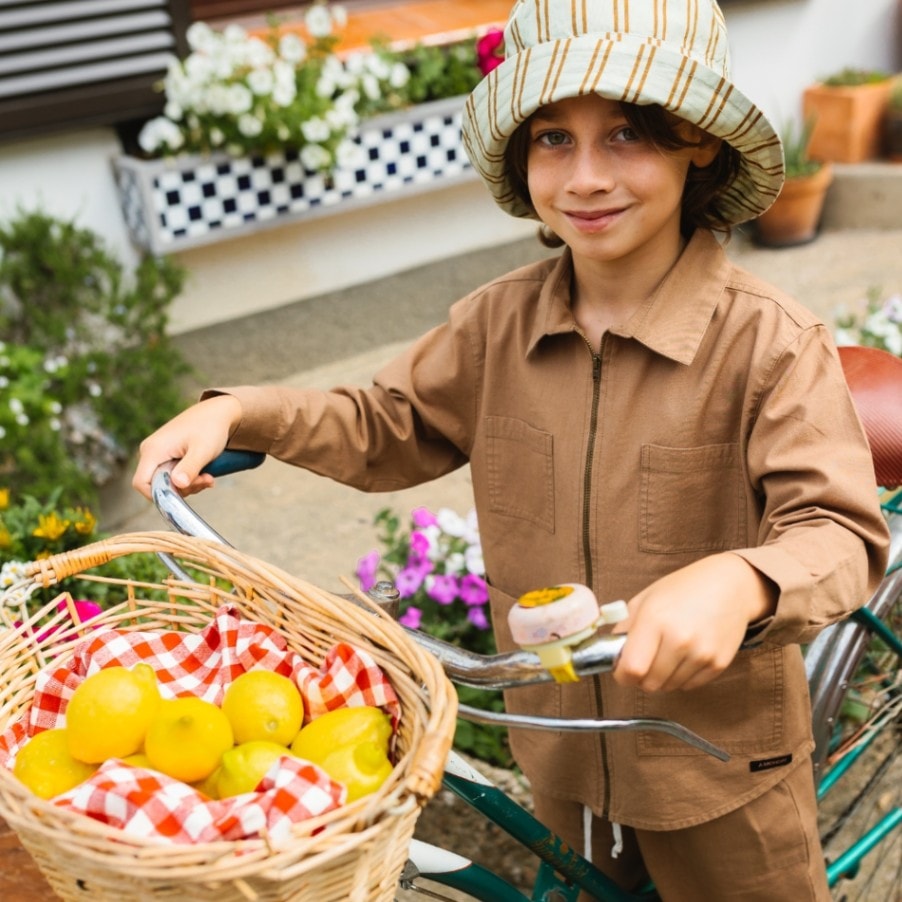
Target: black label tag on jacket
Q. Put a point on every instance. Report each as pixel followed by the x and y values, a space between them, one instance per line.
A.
pixel 770 763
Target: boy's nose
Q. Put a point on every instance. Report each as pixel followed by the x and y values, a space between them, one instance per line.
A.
pixel 590 171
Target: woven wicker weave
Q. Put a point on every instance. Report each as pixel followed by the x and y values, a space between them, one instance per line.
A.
pixel 358 851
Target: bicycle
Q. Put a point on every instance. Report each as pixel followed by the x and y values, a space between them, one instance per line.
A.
pixel 855 661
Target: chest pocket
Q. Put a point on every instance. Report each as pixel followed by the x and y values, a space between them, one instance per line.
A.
pixel 520 464
pixel 691 500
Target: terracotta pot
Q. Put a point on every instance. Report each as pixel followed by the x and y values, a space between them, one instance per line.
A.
pixel 795 215
pixel 848 121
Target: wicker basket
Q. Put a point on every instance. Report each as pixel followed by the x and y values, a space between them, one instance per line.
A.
pixel 358 850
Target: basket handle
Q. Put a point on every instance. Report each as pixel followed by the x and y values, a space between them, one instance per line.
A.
pixel 49 571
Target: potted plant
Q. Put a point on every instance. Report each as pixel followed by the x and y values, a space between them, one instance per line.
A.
pixel 794 217
pixel 848 110
pixel 894 120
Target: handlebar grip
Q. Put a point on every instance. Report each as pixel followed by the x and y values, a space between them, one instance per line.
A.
pixel 234 462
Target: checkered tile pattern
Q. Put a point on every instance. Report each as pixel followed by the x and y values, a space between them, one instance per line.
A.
pixel 168 205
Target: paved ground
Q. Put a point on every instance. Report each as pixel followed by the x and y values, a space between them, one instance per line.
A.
pixel 316 528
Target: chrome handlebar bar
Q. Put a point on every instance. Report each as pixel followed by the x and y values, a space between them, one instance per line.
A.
pixel 501 671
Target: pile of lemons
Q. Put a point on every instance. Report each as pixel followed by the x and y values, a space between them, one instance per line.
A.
pixel 222 750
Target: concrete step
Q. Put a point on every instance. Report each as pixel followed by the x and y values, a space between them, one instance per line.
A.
pixel 864 196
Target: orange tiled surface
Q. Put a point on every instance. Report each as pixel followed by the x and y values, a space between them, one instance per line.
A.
pixel 429 21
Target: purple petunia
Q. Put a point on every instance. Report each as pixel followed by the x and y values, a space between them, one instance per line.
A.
pixel 419 544
pixel 473 590
pixel 366 570
pixel 408 580
pixel 422 517
pixel 476 615
pixel 411 618
pixel 442 588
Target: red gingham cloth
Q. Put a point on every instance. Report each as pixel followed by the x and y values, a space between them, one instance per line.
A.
pixel 148 804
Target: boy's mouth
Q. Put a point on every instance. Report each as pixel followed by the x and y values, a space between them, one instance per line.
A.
pixel 592 220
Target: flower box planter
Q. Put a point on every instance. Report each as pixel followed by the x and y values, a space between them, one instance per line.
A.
pixel 848 121
pixel 181 202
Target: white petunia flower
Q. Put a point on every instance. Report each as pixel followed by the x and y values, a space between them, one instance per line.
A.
pixel 399 75
pixel 200 36
pixel 316 131
pixel 292 49
pixel 314 157
pixel 318 21
pixel 250 125
pixel 261 81
pixel 450 522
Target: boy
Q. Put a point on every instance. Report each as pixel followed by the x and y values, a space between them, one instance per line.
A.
pixel 641 416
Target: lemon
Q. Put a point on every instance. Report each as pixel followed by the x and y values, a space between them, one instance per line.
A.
pixel 245 765
pixel 45 766
pixel 207 786
pixel 263 705
pixel 139 759
pixel 187 737
pixel 108 713
pixel 343 726
pixel 351 745
pixel 362 767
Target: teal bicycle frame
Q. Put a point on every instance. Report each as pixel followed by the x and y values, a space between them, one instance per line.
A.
pixel 562 872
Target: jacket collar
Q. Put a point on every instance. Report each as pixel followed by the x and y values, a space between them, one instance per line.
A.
pixel 673 321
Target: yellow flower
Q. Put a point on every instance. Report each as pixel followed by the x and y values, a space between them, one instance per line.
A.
pixel 4 499
pixel 86 521
pixel 50 527
pixel 6 540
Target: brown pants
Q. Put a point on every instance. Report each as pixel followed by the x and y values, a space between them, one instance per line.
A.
pixel 766 851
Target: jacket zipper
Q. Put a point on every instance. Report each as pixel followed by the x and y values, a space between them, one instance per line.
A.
pixel 587 555
pixel 590 453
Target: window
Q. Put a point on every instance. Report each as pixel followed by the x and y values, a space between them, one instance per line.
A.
pixel 69 63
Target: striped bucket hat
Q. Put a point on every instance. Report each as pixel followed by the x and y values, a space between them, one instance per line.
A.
pixel 668 52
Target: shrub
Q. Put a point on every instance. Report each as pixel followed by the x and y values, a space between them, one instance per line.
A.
pixel 86 367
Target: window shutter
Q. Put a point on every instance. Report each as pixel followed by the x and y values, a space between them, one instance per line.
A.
pixel 68 63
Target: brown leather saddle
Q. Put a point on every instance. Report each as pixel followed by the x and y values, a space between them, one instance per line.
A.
pixel 875 380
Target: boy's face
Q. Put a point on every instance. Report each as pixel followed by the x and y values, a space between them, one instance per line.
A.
pixel 609 194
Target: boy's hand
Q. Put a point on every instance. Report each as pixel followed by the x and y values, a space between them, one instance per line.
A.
pixel 686 628
pixel 194 438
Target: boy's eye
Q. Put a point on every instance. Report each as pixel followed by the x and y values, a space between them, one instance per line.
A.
pixel 627 134
pixel 551 138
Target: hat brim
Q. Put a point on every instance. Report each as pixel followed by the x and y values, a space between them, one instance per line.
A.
pixel 632 69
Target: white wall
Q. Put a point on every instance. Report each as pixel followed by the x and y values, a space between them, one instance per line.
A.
pixel 778 46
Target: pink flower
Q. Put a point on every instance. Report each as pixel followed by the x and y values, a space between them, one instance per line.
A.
pixel 411 618
pixel 473 590
pixel 490 50
pixel 421 517
pixel 442 588
pixel 84 610
pixel 419 544
pixel 408 580
pixel 476 616
pixel 366 570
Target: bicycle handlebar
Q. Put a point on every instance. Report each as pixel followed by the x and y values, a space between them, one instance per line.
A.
pixel 501 671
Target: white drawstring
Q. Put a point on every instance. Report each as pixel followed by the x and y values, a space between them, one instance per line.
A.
pixel 617 830
pixel 618 839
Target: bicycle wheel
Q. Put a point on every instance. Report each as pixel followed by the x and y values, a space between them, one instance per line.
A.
pixel 856 705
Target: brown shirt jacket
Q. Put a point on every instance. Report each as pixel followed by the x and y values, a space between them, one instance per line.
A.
pixel 716 419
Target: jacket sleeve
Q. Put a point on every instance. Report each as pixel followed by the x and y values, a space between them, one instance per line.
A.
pixel 823 540
pixel 413 424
